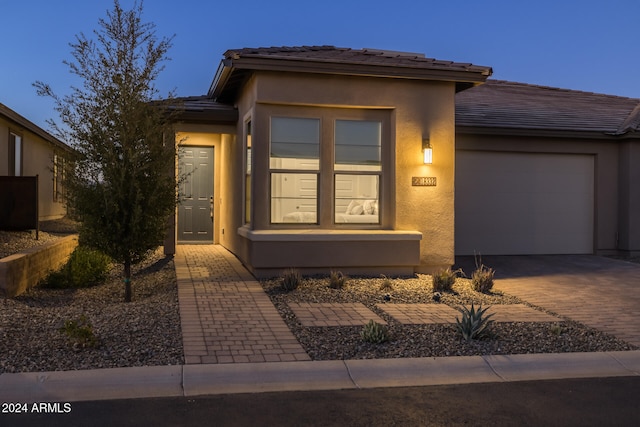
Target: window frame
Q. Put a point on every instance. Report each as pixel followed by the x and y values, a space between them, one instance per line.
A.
pixel 247 171
pixel 12 158
pixel 327 172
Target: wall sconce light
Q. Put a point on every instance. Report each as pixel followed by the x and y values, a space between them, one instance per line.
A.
pixel 427 151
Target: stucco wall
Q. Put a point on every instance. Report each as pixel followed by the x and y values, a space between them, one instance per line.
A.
pixel 630 196
pixel 37 160
pixel 416 110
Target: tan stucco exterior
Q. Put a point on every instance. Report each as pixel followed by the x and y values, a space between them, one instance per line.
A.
pixel 37 159
pixel 416 224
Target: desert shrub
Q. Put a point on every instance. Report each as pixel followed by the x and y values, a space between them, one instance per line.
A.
pixel 80 333
pixel 85 267
pixel 482 277
pixel 474 324
pixel 387 284
pixel 337 280
pixel 444 279
pixel 374 333
pixel 291 279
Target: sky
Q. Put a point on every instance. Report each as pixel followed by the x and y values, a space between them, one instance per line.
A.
pixel 588 45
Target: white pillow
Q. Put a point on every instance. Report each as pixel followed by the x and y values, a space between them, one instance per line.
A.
pixel 369 207
pixel 357 210
pixel 351 206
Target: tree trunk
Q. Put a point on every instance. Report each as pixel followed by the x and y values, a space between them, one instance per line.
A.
pixel 127 281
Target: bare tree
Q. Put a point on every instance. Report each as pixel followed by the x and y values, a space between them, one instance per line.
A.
pixel 121 185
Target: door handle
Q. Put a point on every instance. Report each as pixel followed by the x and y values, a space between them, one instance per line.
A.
pixel 211 206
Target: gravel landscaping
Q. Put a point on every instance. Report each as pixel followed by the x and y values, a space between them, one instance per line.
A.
pixel 144 332
pixel 433 340
pixel 147 331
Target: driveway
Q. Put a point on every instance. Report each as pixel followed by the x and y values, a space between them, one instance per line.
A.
pixel 599 292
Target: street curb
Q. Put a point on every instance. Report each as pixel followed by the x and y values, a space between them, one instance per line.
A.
pixel 195 380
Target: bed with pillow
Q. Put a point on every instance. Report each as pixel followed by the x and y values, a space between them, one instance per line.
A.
pixel 358 212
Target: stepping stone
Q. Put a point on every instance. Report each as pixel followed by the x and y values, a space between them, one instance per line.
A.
pixel 333 314
pixel 420 314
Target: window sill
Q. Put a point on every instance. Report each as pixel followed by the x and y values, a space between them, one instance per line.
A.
pixel 324 235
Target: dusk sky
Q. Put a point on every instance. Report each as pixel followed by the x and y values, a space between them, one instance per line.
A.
pixel 584 45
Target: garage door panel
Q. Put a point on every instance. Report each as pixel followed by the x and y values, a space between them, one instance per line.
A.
pixel 520 203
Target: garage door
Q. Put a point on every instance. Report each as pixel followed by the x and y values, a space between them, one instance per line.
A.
pixel 520 203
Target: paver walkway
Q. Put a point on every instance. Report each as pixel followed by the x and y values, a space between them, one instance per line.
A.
pixel 599 292
pixel 226 316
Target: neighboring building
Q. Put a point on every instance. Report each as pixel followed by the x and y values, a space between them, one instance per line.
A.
pixel 313 157
pixel 28 150
pixel 541 170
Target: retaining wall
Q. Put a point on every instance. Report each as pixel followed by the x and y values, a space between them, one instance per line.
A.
pixel 20 271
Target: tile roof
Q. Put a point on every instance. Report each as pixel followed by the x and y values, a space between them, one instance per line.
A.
pixel 510 105
pixel 332 54
pixel 239 63
pixel 203 109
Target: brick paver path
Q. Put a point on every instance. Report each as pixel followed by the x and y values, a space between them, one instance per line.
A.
pixel 333 314
pixel 440 313
pixel 226 316
pixel 599 292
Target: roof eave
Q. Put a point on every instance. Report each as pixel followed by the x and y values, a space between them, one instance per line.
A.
pixel 26 124
pixel 464 78
pixel 521 131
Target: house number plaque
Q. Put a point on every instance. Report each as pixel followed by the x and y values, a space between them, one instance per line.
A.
pixel 423 181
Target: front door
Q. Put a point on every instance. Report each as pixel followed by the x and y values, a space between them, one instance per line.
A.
pixel 195 212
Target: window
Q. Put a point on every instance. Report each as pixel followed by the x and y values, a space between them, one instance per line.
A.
pixel 327 170
pixel 247 174
pixel 295 165
pixel 58 178
pixel 358 166
pixel 15 154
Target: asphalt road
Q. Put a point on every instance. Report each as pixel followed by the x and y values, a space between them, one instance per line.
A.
pixel 575 402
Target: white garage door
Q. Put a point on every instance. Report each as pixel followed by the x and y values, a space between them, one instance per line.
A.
pixel 520 203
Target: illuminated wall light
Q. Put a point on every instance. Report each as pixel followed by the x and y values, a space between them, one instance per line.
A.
pixel 427 152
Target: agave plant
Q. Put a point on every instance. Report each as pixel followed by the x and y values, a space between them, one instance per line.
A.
pixel 374 332
pixel 474 324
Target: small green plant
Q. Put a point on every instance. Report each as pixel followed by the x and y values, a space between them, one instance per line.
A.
pixel 387 284
pixel 444 279
pixel 337 280
pixel 291 279
pixel 80 333
pixel 556 329
pixel 85 267
pixel 474 324
pixel 482 279
pixel 374 333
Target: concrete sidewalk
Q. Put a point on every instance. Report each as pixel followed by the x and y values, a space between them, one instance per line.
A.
pixel 194 380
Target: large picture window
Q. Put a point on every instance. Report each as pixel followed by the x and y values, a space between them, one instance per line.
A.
pixel 327 170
